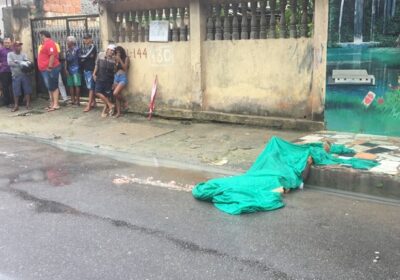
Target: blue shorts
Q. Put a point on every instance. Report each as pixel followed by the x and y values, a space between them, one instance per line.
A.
pixel 120 79
pixel 50 78
pixel 89 80
pixel 21 83
pixel 104 88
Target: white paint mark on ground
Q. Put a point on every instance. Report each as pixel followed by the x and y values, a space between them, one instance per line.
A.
pixel 149 181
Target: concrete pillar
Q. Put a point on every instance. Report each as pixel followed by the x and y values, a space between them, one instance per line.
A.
pixel 107 25
pixel 197 37
pixel 318 89
pixel 21 29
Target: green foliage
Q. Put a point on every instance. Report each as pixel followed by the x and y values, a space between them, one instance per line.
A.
pixel 391 104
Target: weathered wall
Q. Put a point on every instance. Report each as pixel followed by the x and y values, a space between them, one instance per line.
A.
pixel 87 7
pixel 268 77
pixel 170 62
pixel 259 77
pixel 62 7
pixel 18 26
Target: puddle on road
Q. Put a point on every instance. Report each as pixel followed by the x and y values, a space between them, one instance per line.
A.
pixel 56 177
pixel 63 168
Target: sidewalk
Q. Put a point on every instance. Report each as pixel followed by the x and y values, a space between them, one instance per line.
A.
pixel 217 148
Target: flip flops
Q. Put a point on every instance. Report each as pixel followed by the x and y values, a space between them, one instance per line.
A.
pixel 53 109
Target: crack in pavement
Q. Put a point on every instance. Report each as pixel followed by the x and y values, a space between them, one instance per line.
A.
pixel 49 206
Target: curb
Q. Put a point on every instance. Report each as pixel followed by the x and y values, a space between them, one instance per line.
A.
pixel 122 155
pixel 338 178
pixel 279 123
pixel 356 181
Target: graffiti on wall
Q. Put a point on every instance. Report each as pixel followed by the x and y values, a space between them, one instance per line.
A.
pixel 363 72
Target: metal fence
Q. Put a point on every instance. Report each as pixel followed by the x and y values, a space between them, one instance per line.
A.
pixel 63 26
pixel 59 28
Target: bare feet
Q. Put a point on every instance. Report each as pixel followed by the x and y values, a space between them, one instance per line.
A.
pixel 112 110
pixel 104 113
pixel 15 109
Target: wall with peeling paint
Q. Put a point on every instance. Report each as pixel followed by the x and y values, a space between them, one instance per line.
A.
pixel 259 77
pixel 170 63
pixel 273 77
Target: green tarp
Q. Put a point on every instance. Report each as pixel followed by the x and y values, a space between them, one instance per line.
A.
pixel 280 165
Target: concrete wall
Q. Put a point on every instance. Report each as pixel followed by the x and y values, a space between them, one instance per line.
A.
pixel 259 77
pixel 87 7
pixel 17 21
pixel 170 62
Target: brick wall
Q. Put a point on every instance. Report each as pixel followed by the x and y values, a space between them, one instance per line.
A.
pixel 65 7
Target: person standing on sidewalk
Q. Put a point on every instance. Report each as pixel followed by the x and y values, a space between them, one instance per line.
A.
pixel 120 79
pixel 20 80
pixel 61 86
pixel 88 62
pixel 49 66
pixel 72 58
pixel 5 73
pixel 103 76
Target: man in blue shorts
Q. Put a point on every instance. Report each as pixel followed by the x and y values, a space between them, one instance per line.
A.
pixel 20 80
pixel 88 62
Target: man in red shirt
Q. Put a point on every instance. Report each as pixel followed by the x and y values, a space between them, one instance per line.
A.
pixel 49 66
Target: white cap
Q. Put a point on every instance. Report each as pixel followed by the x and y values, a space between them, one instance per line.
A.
pixel 111 47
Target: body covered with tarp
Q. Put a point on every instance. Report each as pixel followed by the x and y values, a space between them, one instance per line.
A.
pixel 280 165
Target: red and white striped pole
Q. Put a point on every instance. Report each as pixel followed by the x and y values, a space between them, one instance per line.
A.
pixel 153 98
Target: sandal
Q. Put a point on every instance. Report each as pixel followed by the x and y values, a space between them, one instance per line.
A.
pixel 14 109
pixel 53 109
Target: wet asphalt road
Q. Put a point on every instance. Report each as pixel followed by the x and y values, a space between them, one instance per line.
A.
pixel 71 216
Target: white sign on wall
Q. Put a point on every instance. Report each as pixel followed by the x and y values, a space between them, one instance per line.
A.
pixel 159 31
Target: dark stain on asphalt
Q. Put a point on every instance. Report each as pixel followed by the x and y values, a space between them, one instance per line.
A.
pixel 43 205
pixel 53 207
